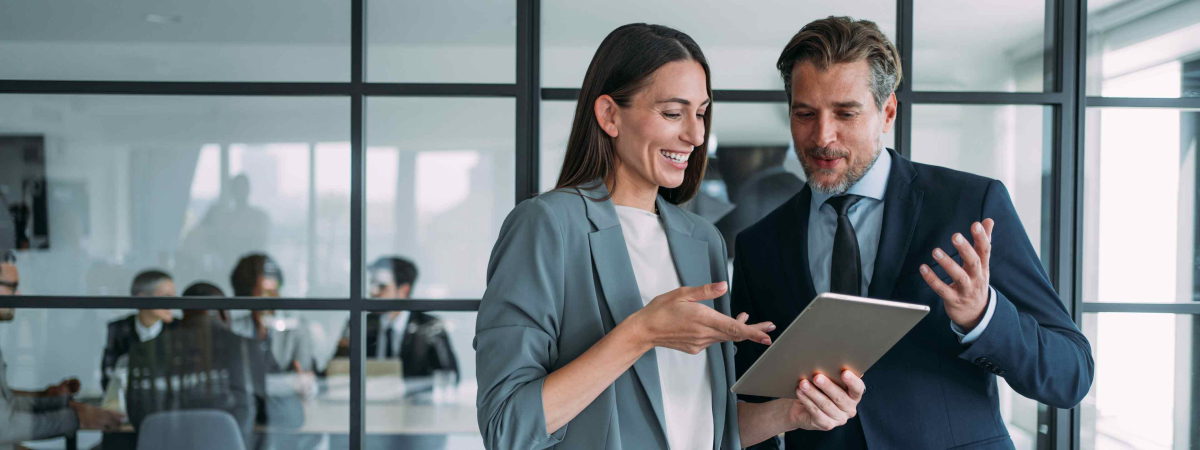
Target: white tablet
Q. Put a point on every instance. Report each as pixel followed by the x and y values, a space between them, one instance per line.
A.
pixel 833 334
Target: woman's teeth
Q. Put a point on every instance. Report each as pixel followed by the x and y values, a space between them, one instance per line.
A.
pixel 677 157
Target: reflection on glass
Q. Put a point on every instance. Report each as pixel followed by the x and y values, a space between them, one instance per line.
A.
pixel 420 389
pixel 187 185
pixel 187 360
pixel 1156 204
pixel 441 42
pixel 572 31
pixel 228 41
pixel 437 189
pixel 968 46
pixel 1007 143
pixel 1156 353
pixel 1143 49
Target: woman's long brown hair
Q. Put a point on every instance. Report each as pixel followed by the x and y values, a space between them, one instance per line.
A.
pixel 621 67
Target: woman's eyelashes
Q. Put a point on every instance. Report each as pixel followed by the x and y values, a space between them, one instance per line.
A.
pixel 678 115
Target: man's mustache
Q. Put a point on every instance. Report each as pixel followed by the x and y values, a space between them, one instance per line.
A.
pixel 825 153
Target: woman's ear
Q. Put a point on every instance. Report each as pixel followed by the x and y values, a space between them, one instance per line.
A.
pixel 606 114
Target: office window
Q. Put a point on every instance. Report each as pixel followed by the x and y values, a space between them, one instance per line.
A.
pixel 125 40
pixel 1143 49
pixel 1156 205
pixel 439 185
pixel 1156 353
pixel 270 370
pixel 116 185
pixel 980 46
pixel 422 394
pixel 458 41
pixel 741 44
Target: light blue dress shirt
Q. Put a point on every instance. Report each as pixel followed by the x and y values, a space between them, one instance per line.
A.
pixel 867 218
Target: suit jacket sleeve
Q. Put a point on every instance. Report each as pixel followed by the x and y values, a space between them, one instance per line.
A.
pixel 516 336
pixel 747 352
pixel 1031 341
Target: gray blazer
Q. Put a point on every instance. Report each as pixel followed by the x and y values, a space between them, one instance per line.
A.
pixel 559 279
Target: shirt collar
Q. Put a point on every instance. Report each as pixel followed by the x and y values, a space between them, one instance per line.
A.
pixel 872 185
pixel 147 333
pixel 399 323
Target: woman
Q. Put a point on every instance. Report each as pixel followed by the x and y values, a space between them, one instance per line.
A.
pixel 589 280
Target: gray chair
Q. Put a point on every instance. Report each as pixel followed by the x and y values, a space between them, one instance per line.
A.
pixel 195 429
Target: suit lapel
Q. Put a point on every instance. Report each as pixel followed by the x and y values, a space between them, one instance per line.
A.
pixel 619 286
pixel 901 208
pixel 794 251
pixel 692 262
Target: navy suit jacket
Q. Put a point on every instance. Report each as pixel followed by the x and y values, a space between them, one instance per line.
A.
pixel 929 391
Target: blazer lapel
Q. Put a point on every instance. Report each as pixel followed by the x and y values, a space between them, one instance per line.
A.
pixel 794 251
pixel 619 285
pixel 692 263
pixel 901 208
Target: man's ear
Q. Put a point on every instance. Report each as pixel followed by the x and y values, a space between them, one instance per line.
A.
pixel 889 113
pixel 403 291
pixel 606 114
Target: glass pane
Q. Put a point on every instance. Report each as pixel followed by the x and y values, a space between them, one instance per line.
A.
pixel 571 32
pixel 442 42
pixel 1143 49
pixel 752 165
pixel 420 390
pixel 980 46
pixel 176 41
pixel 1154 205
pixel 272 384
pixel 1000 142
pixel 438 191
pixel 117 185
pixel 1156 353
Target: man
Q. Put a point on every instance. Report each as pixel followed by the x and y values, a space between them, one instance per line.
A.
pixel 140 327
pixel 47 413
pixel 872 223
pixel 417 339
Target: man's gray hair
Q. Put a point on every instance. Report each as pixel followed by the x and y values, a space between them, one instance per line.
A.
pixel 840 39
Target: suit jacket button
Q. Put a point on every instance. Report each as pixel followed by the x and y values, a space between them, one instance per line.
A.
pixel 980 360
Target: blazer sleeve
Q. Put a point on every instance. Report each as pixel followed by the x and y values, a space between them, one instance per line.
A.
pixel 516 334
pixel 113 349
pixel 1031 341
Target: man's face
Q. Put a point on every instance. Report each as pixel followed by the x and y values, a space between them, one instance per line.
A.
pixel 266 287
pixel 835 124
pixel 165 288
pixel 383 286
pixel 8 277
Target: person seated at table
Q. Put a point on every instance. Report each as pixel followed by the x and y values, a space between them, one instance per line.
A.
pixel 44 414
pixel 140 327
pixel 417 339
pixel 287 346
pixel 204 289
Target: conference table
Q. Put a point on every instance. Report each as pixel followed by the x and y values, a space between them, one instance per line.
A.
pixel 388 411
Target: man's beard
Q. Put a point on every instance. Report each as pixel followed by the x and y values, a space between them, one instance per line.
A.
pixel 841 185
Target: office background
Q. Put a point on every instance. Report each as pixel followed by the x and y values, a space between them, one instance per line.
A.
pixel 377 127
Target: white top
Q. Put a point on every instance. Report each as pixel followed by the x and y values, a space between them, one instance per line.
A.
pixel 685 379
pixel 146 333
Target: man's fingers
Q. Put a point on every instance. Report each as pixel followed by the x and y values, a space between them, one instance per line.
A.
pixel 705 292
pixel 955 271
pixel 836 394
pixel 971 263
pixel 855 387
pixel 988 224
pixel 983 245
pixel 827 407
pixel 941 288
